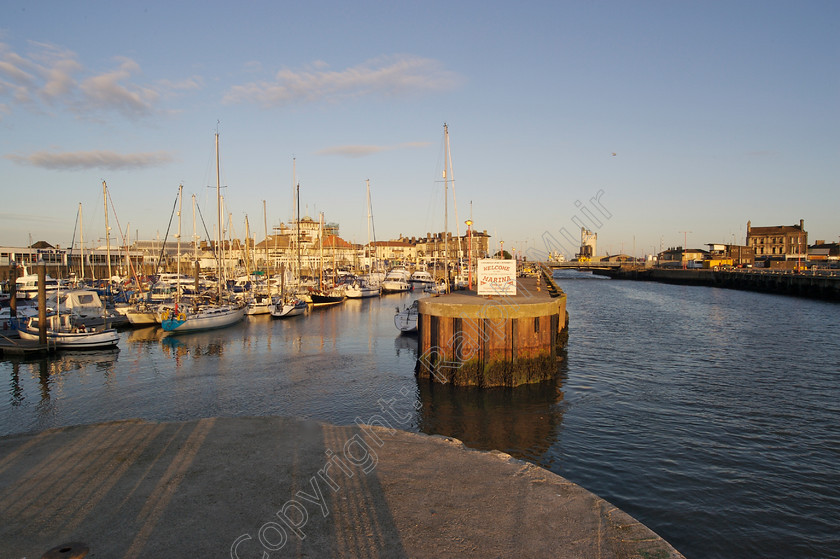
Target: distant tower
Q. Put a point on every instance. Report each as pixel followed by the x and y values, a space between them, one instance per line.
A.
pixel 588 244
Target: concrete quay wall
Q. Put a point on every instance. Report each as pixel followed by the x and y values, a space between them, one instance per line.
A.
pixel 280 487
pixel 468 340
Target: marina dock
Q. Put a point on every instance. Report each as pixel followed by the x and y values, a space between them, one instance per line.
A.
pixel 16 346
pixel 245 487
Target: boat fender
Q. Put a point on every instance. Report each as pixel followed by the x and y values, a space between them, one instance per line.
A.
pixel 164 315
pixel 181 317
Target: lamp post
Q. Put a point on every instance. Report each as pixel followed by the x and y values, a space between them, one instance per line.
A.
pixel 469 254
pixel 685 248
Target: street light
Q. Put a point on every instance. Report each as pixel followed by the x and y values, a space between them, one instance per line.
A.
pixel 469 254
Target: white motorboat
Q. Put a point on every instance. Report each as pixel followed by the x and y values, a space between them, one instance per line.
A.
pixel 69 332
pixel 421 278
pixel 406 319
pixel 396 281
pixel 26 286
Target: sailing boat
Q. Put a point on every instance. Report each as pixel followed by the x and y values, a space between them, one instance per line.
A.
pixel 320 297
pixel 203 317
pixel 365 286
pixel 284 306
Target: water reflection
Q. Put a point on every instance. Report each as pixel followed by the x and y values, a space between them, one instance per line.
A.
pixel 523 421
pixel 49 373
pixel 406 343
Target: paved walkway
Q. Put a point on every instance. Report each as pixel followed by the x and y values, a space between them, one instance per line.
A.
pixel 238 487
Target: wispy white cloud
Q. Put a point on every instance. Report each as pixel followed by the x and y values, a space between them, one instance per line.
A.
pixel 91 160
pixel 391 76
pixel 111 92
pixel 365 150
pixel 51 77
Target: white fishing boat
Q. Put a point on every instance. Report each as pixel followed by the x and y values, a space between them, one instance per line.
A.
pixel 406 319
pixel 69 332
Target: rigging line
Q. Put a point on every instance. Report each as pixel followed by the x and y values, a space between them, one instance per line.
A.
pixel 201 216
pixel 72 243
pixel 166 236
pixel 124 240
pixel 123 237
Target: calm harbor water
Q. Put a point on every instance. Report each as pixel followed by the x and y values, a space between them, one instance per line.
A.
pixel 710 415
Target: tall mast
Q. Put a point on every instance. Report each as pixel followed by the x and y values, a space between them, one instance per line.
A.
pixel 321 251
pixel 219 229
pixel 178 237
pixel 454 201
pixel 248 268
pixel 297 208
pixel 294 197
pixel 370 218
pixel 194 236
pixel 267 268
pixel 82 240
pixel 446 207
pixel 107 230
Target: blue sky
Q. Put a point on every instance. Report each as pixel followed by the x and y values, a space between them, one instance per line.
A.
pixel 689 117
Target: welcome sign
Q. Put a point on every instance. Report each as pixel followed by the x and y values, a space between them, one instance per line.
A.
pixel 496 277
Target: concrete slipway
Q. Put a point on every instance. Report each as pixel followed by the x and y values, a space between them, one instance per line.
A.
pixel 281 487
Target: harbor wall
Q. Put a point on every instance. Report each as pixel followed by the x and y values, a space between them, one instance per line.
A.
pixel 816 285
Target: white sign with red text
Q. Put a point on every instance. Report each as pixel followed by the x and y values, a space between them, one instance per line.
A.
pixel 496 277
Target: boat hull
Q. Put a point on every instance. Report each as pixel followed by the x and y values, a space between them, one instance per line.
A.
pixel 205 319
pixel 288 310
pixel 103 339
pixel 406 319
pixel 326 300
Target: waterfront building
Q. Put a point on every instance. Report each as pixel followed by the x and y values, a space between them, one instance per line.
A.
pixel 783 242
pixel 431 249
pixel 64 263
pixel 729 255
pixel 677 257
pixel 824 252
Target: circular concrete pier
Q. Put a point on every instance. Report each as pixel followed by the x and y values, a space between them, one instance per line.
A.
pixel 282 487
pixel 469 340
